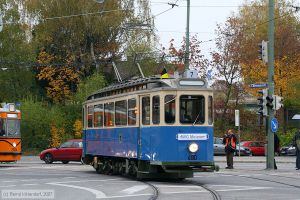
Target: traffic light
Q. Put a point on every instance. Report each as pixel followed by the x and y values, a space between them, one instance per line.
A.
pixel 262 109
pixel 278 102
pixel 263 51
pixel 269 103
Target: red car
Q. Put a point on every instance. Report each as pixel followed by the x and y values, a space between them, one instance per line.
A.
pixel 257 148
pixel 68 151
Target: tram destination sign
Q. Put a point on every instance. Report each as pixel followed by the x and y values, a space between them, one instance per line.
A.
pixel 192 136
pixel 259 85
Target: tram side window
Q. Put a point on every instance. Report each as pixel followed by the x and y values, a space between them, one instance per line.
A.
pixel 146 110
pixel 170 109
pixel 192 109
pixel 98 115
pixel 131 112
pixel 90 116
pixel 210 110
pixel 109 114
pixel 155 110
pixel 121 113
pixel 2 128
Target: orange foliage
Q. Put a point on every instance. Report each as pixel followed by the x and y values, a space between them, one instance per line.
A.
pixel 77 127
pixel 56 135
pixel 59 78
pixel 286 71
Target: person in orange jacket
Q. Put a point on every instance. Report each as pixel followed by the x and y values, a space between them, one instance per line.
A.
pixel 229 140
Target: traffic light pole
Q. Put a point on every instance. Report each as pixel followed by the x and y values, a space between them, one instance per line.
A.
pixel 270 135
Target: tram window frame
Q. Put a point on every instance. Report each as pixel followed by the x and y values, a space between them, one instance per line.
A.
pixel 83 117
pixel 119 121
pixel 2 128
pixel 156 109
pixel 189 107
pixel 109 108
pixel 12 127
pixel 90 116
pixel 98 118
pixel 132 112
pixel 170 113
pixel 210 110
pixel 146 110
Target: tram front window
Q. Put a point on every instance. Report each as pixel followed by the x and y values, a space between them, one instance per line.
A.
pixel 192 109
pixel 13 127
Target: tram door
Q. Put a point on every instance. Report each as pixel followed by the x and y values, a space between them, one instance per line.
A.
pixel 144 122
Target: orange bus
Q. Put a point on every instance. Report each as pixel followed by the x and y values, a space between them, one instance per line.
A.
pixel 10 136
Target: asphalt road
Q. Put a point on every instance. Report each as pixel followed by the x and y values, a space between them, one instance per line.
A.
pixel 32 179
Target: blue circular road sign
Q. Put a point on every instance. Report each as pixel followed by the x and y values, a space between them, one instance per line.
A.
pixel 274 125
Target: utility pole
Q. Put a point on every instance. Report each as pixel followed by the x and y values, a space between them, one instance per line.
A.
pixel 187 38
pixel 270 134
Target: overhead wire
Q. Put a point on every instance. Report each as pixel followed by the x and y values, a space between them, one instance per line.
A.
pixel 156 15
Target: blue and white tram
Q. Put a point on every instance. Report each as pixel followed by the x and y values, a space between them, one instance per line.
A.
pixel 150 128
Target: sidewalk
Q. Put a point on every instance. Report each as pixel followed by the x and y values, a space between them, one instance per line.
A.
pixel 256 159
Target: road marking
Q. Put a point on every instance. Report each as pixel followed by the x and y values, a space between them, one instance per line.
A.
pixel 134 189
pixel 81 181
pixel 241 189
pixel 24 168
pixel 125 196
pixel 237 188
pixel 99 194
pixel 30 184
pixel 177 186
pixel 7 186
pixel 68 177
pixel 19 181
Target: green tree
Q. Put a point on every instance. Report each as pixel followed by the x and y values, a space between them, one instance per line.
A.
pixel 36 125
pixel 92 84
pixel 16 53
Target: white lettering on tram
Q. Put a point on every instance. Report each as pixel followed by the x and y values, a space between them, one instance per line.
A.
pixel 192 136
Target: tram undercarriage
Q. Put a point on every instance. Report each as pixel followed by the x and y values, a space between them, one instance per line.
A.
pixel 145 169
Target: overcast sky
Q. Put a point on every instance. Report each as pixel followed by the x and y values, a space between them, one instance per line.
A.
pixel 204 15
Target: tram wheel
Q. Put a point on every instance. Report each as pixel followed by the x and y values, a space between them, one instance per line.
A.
pixel 48 158
pixel 65 162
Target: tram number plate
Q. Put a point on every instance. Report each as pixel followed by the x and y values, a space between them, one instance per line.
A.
pixel 192 136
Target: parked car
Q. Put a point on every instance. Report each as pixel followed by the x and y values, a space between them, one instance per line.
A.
pixel 244 151
pixel 257 148
pixel 288 150
pixel 219 148
pixel 68 151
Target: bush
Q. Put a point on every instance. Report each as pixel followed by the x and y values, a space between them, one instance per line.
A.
pixel 286 138
pixel 36 121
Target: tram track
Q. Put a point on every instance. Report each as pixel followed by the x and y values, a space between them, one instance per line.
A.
pixel 214 194
pixel 155 190
pixel 267 180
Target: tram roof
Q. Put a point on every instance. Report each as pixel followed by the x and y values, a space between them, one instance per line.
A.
pixel 149 83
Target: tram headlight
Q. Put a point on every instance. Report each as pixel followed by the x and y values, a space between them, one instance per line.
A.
pixel 193 147
pixel 14 144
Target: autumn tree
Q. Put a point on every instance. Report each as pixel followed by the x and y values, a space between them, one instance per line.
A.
pixel 61 81
pixel 77 129
pixel 226 64
pixel 56 136
pixel 176 56
pixel 249 27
